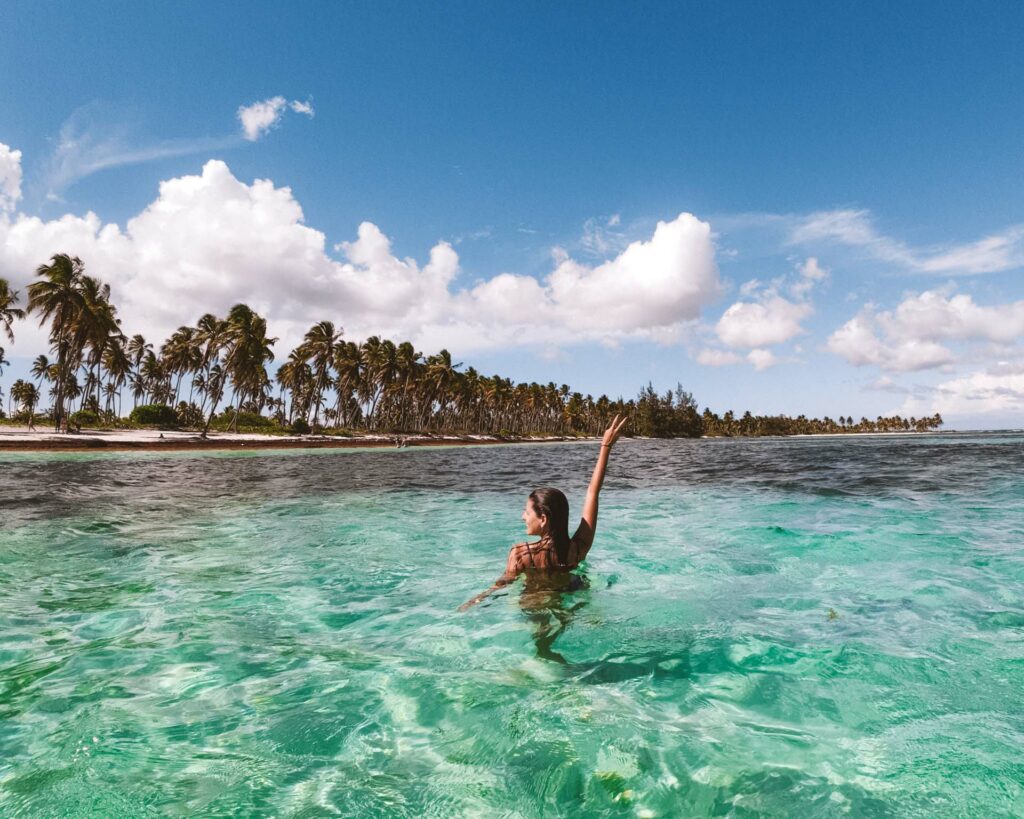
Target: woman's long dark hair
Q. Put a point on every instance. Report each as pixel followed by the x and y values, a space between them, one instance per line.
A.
pixel 554 506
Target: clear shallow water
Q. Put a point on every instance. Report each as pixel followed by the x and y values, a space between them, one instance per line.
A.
pixel 807 627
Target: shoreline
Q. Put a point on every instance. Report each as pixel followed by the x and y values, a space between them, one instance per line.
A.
pixel 20 439
pixel 145 440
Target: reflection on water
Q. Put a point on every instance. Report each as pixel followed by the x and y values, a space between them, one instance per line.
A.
pixel 551 610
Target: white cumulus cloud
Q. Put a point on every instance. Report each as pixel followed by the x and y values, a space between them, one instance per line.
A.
pixel 658 282
pixel 859 343
pixel 260 117
pixel 934 314
pixel 762 359
pixel 10 178
pixel 210 240
pixel 915 335
pixel 810 273
pixel 758 324
pixel 998 392
pixel 811 270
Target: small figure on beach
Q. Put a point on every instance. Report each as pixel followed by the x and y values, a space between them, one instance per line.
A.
pixel 548 562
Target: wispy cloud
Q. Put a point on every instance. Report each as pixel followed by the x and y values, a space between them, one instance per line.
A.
pixel 93 139
pixel 474 235
pixel 855 228
pixel 603 236
pixel 96 137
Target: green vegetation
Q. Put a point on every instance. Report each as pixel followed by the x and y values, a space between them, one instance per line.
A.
pixel 85 418
pixel 326 384
pixel 159 415
pixel 672 415
pixel 756 425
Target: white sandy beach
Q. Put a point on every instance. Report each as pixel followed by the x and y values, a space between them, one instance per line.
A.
pixel 43 437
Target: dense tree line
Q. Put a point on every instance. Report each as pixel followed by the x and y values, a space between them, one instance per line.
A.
pixel 219 368
pixel 753 425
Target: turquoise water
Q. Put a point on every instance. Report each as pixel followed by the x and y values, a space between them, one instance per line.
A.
pixel 812 627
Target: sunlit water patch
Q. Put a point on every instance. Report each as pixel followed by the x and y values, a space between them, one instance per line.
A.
pixel 798 627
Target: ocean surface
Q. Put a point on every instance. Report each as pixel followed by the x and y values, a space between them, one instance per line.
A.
pixel 797 627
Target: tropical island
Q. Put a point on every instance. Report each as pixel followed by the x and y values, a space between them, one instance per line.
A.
pixel 214 377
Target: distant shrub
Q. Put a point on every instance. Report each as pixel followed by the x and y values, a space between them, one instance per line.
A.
pixel 84 418
pixel 154 414
pixel 246 421
pixel 189 415
pixel 300 426
pixel 251 419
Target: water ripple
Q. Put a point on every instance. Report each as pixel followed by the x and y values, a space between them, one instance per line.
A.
pixel 778 627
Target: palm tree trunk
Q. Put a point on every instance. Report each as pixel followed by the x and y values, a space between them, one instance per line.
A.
pixel 58 398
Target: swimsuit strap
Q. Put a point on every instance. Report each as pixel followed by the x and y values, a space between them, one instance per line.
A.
pixel 529 554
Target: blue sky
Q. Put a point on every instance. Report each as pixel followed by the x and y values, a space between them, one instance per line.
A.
pixel 856 171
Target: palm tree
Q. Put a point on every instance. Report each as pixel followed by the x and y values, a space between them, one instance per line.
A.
pixel 179 355
pixel 348 365
pixel 96 326
pixel 137 348
pixel 119 369
pixel 213 388
pixel 58 300
pixel 25 397
pixel 41 369
pixel 81 318
pixel 248 352
pixel 211 337
pixel 13 395
pixel 318 347
pixel 374 363
pixel 439 377
pixel 8 312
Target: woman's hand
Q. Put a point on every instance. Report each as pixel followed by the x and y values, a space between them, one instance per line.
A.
pixel 611 435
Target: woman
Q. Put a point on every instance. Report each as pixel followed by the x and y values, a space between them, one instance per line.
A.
pixel 549 561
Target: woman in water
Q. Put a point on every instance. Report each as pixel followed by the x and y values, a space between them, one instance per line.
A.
pixel 549 561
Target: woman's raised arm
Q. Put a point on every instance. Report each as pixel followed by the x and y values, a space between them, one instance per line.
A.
pixel 584 536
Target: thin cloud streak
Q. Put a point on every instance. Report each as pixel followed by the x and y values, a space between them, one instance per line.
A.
pixel 94 139
pixel 90 142
pixel 855 228
pixel 992 254
pixel 71 166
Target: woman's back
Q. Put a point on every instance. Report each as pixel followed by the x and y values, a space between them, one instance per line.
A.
pixel 549 562
pixel 542 570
